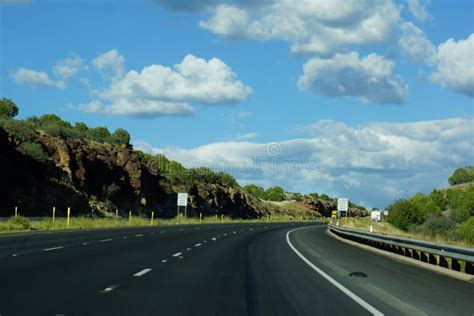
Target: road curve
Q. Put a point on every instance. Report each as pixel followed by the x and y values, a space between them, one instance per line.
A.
pixel 228 269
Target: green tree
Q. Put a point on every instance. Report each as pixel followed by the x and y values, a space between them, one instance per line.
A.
pixel 8 108
pixel 462 175
pixel 99 134
pixel 256 191
pixel 119 137
pixel 81 127
pixel 47 119
pixel 275 194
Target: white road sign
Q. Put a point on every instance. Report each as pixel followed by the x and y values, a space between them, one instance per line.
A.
pixel 343 205
pixel 182 199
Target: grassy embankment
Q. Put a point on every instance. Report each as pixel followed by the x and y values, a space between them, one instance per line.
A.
pixel 20 224
pixel 363 224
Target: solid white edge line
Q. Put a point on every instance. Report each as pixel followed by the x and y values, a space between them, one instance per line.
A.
pixel 343 289
pixel 140 273
pixel 54 248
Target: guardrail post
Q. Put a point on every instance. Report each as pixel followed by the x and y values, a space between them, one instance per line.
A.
pixel 443 262
pixel 424 257
pixel 432 259
pixel 469 269
pixel 455 265
pixel 416 255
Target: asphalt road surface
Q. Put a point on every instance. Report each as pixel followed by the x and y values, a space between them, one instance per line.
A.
pixel 228 269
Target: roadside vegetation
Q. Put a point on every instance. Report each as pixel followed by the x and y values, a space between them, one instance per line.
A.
pixel 444 215
pixel 22 224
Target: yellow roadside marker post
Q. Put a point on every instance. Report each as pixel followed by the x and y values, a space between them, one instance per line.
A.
pixel 54 213
pixel 152 217
pixel 68 216
pixel 129 216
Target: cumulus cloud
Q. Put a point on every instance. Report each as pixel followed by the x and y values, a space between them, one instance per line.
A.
pixel 414 44
pixel 376 163
pixel 110 64
pixel 417 8
pixel 158 90
pixel 455 65
pixel 371 78
pixel 34 78
pixel 68 67
pixel 316 27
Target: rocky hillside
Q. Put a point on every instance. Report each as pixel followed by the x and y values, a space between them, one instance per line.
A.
pixel 87 176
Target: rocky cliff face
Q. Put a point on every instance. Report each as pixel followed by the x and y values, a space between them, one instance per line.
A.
pixel 89 176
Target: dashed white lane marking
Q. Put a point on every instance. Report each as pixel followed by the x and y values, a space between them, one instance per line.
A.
pixel 181 229
pixel 188 249
pixel 343 289
pixel 106 240
pixel 53 248
pixel 15 254
pixel 177 254
pixel 213 238
pixel 140 273
pixel 84 244
pixel 234 232
pixel 162 232
pixel 152 233
pixel 204 241
pixel 124 237
pixel 109 289
pixel 139 235
pixel 225 234
pixel 163 261
pixel 197 245
pixel 251 229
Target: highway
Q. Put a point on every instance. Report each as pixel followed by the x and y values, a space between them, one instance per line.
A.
pixel 221 269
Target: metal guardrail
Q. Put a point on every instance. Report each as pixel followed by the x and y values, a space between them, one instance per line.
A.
pixel 444 255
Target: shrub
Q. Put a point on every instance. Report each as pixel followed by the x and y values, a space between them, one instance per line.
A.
pixel 34 150
pixel 19 222
pixel 22 130
pixel 53 119
pixel 99 134
pixel 8 108
pixel 436 225
pixel 275 194
pixel 465 231
pixel 462 175
pixel 256 191
pixel 404 213
pixel 119 137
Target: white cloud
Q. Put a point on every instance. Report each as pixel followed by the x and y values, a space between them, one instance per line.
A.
pixel 455 65
pixel 417 8
pixel 34 78
pixel 159 90
pixel 415 45
pixel 110 64
pixel 376 163
pixel 140 109
pixel 68 67
pixel 371 78
pixel 320 27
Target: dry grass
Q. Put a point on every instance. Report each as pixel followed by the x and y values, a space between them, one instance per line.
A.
pixel 363 224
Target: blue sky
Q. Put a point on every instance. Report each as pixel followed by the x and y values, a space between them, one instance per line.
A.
pixel 257 92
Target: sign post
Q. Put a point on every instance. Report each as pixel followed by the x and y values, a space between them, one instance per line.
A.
pixel 182 201
pixel 343 206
